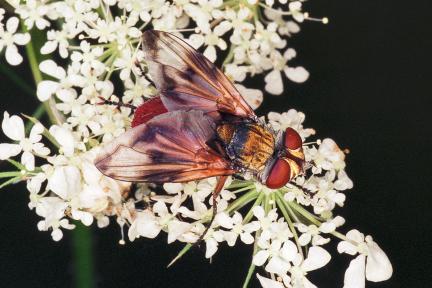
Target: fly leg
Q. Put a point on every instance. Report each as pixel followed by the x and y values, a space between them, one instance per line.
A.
pixel 218 189
pixel 116 103
pixel 143 72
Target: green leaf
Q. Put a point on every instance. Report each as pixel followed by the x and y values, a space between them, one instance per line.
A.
pixel 181 253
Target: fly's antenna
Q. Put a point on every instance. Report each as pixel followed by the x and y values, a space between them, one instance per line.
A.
pixel 116 103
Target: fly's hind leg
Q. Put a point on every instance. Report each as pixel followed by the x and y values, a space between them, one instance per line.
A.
pixel 218 189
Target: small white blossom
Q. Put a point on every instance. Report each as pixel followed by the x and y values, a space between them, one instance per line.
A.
pixel 13 127
pixel 9 39
pixel 371 263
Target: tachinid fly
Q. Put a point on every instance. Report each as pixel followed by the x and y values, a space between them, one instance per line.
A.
pixel 199 126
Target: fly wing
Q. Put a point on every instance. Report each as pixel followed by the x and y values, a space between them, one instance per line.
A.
pixel 186 79
pixel 171 147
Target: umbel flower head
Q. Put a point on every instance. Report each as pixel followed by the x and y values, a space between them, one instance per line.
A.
pixel 99 43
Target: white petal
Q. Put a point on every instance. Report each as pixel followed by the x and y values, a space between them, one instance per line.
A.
pixel 224 220
pixel 289 250
pixel 297 74
pixel 173 188
pixel 247 238
pixel 277 265
pixel 355 274
pixel 65 138
pixel 269 283
pixel 85 217
pixel 13 127
pixel 144 225
pixel 50 68
pixel 210 53
pixel 196 40
pixel 355 235
pixel 65 181
pixel 260 258
pixel 12 24
pixel 258 211
pixel 46 89
pixel 230 237
pixel 28 160
pixel 211 247
pixel 253 97
pixel 317 258
pixel 176 229
pixel 57 234
pixel 48 47
pixel 160 208
pixel 12 55
pixel 327 227
pixel 304 239
pixel 378 266
pixel 21 38
pixel 35 133
pixel 347 247
pixel 274 83
pixel 289 54
pixel 9 150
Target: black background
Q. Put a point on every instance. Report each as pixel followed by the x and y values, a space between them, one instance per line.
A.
pixel 368 90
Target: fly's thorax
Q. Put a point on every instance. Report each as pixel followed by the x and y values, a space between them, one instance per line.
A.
pixel 248 144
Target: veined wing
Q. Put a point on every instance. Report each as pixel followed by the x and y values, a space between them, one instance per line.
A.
pixel 186 79
pixel 171 147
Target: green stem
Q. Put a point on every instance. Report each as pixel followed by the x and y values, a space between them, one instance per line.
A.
pixel 282 206
pixel 230 56
pixel 238 184
pixel 242 201
pixel 83 258
pixel 185 249
pixel 304 213
pixel 249 215
pixel 8 174
pixel 249 275
pixel 252 266
pixel 312 218
pixel 36 115
pixel 53 114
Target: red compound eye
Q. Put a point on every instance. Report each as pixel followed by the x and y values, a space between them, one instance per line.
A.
pixel 279 174
pixel 293 140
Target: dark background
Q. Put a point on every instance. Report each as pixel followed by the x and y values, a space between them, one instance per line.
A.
pixel 368 90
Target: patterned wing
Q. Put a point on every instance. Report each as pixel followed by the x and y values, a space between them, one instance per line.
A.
pixel 186 79
pixel 171 147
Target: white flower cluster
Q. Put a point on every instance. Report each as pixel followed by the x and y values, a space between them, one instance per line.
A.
pixel 98 44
